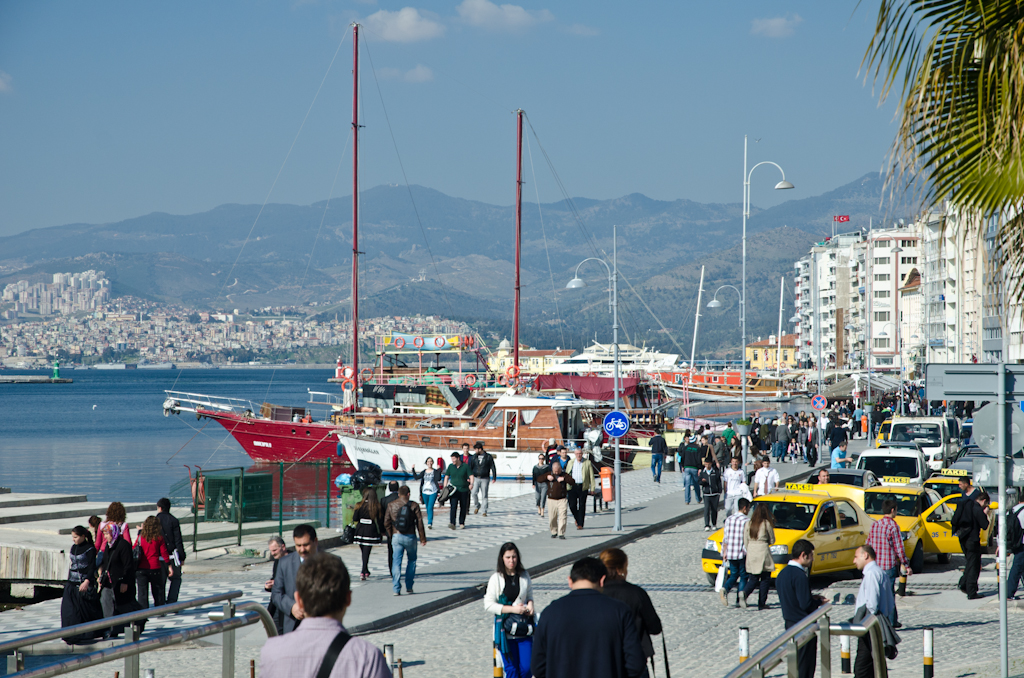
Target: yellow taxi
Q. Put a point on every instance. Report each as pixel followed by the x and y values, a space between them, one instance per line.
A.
pixel 883 432
pixel 946 481
pixel 835 525
pixel 923 517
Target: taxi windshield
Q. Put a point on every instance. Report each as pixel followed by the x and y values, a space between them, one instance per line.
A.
pixel 944 489
pixel 890 466
pixel 790 515
pixel 910 432
pixel 906 504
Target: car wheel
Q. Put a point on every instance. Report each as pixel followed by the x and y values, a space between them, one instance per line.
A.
pixel 917 560
pixel 711 578
pixel 943 559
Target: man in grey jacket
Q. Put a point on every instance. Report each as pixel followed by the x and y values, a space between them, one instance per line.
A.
pixel 481 464
pixel 282 594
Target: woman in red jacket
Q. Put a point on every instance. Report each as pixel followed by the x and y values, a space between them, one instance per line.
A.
pixel 154 552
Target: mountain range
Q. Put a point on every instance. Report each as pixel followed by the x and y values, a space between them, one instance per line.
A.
pixel 426 252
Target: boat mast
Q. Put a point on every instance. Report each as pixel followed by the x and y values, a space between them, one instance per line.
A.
pixel 519 231
pixel 696 323
pixel 355 208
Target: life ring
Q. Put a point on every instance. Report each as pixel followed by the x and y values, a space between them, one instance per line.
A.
pixel 439 342
pixel 348 372
pixel 418 342
pixel 366 374
pixel 512 372
pixel 470 379
pixel 399 342
pixel 394 461
pixel 348 385
pixel 503 380
pixel 470 341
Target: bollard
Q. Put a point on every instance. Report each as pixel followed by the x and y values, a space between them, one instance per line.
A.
pixel 389 656
pixel 149 673
pixel 499 671
pixel 929 653
pixel 400 673
pixel 901 587
pixel 844 655
pixel 252 668
pixel 744 644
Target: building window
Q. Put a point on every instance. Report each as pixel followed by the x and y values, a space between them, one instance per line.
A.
pixel 881 342
pixel 908 260
pixel 881 294
pixel 908 243
pixel 882 243
pixel 785 355
pixel 881 316
pixel 881 277
pixel 881 261
pixel 883 361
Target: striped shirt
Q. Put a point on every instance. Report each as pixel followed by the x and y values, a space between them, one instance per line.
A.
pixel 732 537
pixel 887 541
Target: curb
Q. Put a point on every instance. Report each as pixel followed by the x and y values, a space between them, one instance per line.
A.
pixel 472 593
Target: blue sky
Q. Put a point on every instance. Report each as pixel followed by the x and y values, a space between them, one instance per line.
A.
pixel 117 109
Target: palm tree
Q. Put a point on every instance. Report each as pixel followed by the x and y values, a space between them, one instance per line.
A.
pixel 960 67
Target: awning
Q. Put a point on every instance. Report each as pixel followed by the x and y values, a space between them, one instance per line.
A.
pixel 588 388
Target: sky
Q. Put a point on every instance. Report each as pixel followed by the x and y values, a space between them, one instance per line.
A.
pixel 117 109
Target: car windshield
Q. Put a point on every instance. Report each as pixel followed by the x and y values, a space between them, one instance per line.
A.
pixel 944 489
pixel 890 466
pixel 906 504
pixel 789 515
pixel 908 432
pixel 835 476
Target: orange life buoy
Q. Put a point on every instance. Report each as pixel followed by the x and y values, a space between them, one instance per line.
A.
pixel 503 380
pixel 399 342
pixel 366 373
pixel 348 373
pixel 348 385
pixel 512 372
pixel 394 461
pixel 470 340
pixel 439 342
pixel 418 342
pixel 470 379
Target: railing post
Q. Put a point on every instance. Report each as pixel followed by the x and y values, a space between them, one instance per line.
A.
pixel 793 659
pixel 328 525
pixel 280 499
pixel 744 644
pixel 131 663
pixel 844 654
pixel 15 662
pixel 227 663
pixel 929 653
pixel 195 513
pixel 825 646
pixel 240 505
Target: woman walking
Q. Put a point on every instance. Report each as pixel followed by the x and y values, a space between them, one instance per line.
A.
pixel 758 539
pixel 117 583
pixel 509 598
pixel 430 485
pixel 648 623
pixel 81 601
pixel 540 482
pixel 115 515
pixel 369 520
pixel 148 572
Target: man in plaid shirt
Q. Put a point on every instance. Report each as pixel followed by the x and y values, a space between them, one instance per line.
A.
pixel 886 539
pixel 734 555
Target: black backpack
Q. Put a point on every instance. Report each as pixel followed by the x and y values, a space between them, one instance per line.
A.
pixel 1014 532
pixel 405 523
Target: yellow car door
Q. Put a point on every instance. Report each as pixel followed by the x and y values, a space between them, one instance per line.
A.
pixel 853 528
pixel 827 539
pixel 939 537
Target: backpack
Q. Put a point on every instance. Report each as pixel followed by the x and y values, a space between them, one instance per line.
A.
pixel 405 523
pixel 1014 532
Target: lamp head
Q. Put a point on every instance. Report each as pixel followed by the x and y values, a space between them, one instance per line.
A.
pixel 714 303
pixel 783 185
pixel 575 284
pixel 896 249
pixel 883 333
pixel 795 318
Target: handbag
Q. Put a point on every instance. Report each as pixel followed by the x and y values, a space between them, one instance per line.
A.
pixel 518 625
pixel 137 554
pixel 348 535
pixel 720 579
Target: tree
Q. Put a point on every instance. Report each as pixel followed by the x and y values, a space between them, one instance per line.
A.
pixel 960 67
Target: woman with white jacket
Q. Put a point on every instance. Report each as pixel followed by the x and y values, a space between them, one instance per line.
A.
pixel 510 592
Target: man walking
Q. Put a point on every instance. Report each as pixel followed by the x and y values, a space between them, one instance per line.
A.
pixel 659 448
pixel 782 436
pixel 606 645
pixel 582 474
pixel 875 596
pixel 283 592
pixel 457 475
pixel 402 521
pixel 795 597
pixel 734 554
pixel 711 485
pixel 277 551
pixel 887 541
pixel 323 593
pixel 690 453
pixel 558 492
pixel 484 470
pixel 766 479
pixel 734 482
pixel 969 519
pixel 175 547
pixel 384 501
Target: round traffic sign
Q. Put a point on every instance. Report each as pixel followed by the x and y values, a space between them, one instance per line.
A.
pixel 616 424
pixel 984 428
pixel 819 402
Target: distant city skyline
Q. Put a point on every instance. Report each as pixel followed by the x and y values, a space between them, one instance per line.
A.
pixel 112 112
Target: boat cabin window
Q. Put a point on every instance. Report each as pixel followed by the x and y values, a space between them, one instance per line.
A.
pixel 378 422
pixel 359 422
pixel 400 423
pixel 529 416
pixel 485 411
pixel 448 424
pixel 495 419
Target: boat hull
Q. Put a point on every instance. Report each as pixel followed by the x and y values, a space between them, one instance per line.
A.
pixel 268 441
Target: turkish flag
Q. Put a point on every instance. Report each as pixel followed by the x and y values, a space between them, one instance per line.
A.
pixel 841 218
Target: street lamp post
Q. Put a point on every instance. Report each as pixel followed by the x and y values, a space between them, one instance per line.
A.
pixel 899 352
pixel 613 307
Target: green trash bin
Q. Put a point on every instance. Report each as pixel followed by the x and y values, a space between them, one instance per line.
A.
pixel 351 496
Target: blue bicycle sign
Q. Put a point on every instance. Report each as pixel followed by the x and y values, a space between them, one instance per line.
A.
pixel 616 424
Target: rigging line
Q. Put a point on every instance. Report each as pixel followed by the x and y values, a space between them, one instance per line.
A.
pixel 198 431
pixel 266 398
pixel 283 163
pixel 540 213
pixel 348 139
pixel 408 188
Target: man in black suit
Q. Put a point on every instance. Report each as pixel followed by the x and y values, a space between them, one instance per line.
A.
pixel 606 646
pixel 175 547
pixel 282 594
pixel 384 501
pixel 794 591
pixel 277 551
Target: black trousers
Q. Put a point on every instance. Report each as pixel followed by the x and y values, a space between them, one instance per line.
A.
pixel 762 582
pixel 146 580
pixel 806 657
pixel 577 504
pixel 864 665
pixel 972 569
pixel 711 510
pixel 460 505
pixel 366 549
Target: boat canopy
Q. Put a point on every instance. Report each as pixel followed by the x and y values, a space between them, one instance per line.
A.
pixel 520 401
pixel 589 388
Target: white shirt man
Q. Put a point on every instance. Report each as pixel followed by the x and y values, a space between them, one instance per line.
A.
pixel 735 482
pixel 766 480
pixel 876 596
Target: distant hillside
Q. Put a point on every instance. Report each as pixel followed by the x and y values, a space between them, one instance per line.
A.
pixel 291 258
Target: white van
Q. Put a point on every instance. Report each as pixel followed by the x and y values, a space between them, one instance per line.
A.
pixel 931 433
pixel 896 464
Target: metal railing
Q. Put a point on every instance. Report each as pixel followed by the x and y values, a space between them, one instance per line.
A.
pixel 230 618
pixel 785 648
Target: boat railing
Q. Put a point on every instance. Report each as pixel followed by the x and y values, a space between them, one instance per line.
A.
pixel 189 402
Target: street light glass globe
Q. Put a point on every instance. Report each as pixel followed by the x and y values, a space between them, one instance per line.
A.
pixel 783 185
pixel 575 284
pixel 714 303
pixel 883 333
pixel 795 319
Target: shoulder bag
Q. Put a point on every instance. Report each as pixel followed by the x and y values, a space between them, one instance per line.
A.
pixel 518 625
pixel 331 658
pixel 137 554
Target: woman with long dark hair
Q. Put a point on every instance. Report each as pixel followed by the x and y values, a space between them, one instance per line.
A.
pixel 648 622
pixel 510 592
pixel 758 539
pixel 148 573
pixel 81 601
pixel 430 484
pixel 369 521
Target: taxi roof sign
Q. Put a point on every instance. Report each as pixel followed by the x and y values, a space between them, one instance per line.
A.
pixel 895 479
pixel 954 472
pixel 801 487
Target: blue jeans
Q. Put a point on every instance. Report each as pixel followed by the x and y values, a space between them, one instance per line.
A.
pixel 657 462
pixel 893 575
pixel 403 543
pixel 778 449
pixel 737 571
pixel 429 500
pixel 517 660
pixel 1013 581
pixel 690 480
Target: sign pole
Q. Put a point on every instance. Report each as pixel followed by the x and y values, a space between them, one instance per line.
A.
pixel 1004 450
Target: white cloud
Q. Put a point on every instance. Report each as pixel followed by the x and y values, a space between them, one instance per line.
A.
pixel 405 25
pixel 581 29
pixel 776 27
pixel 486 14
pixel 420 73
pixel 5 83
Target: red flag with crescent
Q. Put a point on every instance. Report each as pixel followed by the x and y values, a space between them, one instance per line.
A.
pixel 841 218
